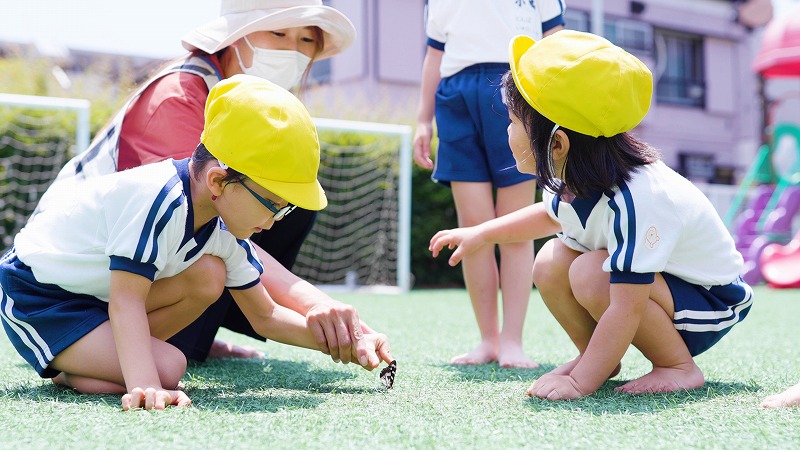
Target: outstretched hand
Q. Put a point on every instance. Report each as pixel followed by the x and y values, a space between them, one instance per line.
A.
pixel 152 398
pixel 342 335
pixel 466 239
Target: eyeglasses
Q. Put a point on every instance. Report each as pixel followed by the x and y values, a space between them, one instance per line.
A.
pixel 278 214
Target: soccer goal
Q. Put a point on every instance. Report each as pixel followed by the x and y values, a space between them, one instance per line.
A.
pixel 38 135
pixel 362 240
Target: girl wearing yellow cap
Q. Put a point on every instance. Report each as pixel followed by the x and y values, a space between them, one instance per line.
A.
pixel 112 267
pixel 641 257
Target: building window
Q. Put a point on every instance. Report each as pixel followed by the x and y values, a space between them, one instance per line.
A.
pixel 576 20
pixel 635 37
pixel 679 69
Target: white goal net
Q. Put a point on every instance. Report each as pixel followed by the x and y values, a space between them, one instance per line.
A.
pixel 361 241
pixel 38 135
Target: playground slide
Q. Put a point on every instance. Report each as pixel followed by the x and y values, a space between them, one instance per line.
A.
pixel 780 264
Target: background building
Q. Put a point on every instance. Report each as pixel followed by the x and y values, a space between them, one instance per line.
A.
pixel 706 117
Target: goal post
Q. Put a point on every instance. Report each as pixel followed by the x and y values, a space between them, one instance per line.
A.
pixel 38 135
pixel 362 240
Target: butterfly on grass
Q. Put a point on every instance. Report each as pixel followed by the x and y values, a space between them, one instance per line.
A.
pixel 388 373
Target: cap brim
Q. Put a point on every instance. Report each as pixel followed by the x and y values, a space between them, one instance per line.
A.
pixel 516 49
pixel 223 31
pixel 308 196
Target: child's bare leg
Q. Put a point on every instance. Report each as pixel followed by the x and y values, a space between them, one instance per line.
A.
pixel 551 276
pixel 516 279
pixel 475 205
pixel 222 349
pixel 673 367
pixel 91 364
pixel 789 397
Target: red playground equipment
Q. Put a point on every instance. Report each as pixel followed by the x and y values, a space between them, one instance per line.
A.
pixel 780 264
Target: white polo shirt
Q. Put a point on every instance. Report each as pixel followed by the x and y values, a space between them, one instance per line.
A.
pixel 479 31
pixel 656 222
pixel 139 220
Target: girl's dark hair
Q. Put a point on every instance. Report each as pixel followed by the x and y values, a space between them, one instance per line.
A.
pixel 593 164
pixel 201 157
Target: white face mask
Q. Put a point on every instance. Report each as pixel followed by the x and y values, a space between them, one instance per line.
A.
pixel 282 67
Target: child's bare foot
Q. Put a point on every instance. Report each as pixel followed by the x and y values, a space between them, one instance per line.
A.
pixel 666 379
pixel 222 349
pixel 482 354
pixel 512 356
pixel 787 398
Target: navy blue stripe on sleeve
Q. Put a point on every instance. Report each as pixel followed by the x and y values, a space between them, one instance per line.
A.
pixel 253 259
pixel 436 44
pixel 144 238
pixel 128 265
pixel 617 233
pixel 630 209
pixel 552 23
pixel 632 277
pixel 246 286
pixel 160 226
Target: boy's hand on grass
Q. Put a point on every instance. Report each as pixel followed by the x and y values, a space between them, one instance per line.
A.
pixel 555 387
pixel 151 398
pixel 466 239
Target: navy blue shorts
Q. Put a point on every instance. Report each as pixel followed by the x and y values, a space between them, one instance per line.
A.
pixel 472 124
pixel 42 320
pixel 703 316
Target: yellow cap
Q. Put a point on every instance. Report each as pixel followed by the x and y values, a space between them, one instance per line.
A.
pixel 264 132
pixel 582 82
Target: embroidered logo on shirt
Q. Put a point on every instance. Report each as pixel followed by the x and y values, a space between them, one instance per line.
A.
pixel 522 2
pixel 651 237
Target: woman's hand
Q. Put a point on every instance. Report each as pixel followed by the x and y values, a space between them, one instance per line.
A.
pixel 336 328
pixel 152 398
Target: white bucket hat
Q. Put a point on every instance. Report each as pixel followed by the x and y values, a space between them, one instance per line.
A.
pixel 239 18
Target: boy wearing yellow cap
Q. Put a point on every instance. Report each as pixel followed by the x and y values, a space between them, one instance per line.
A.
pixel 642 256
pixel 112 267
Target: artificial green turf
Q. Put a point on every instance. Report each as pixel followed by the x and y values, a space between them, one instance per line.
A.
pixel 300 399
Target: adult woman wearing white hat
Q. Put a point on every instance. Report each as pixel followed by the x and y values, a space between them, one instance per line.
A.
pixel 274 39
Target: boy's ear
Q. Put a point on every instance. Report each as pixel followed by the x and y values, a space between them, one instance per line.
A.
pixel 560 145
pixel 214 180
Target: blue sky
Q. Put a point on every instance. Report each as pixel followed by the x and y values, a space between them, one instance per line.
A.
pixel 135 27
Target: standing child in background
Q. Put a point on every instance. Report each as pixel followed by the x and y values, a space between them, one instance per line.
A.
pixel 643 258
pixel 465 59
pixel 279 41
pixel 115 265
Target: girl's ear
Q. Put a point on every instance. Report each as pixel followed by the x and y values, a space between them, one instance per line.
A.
pixel 560 145
pixel 215 177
